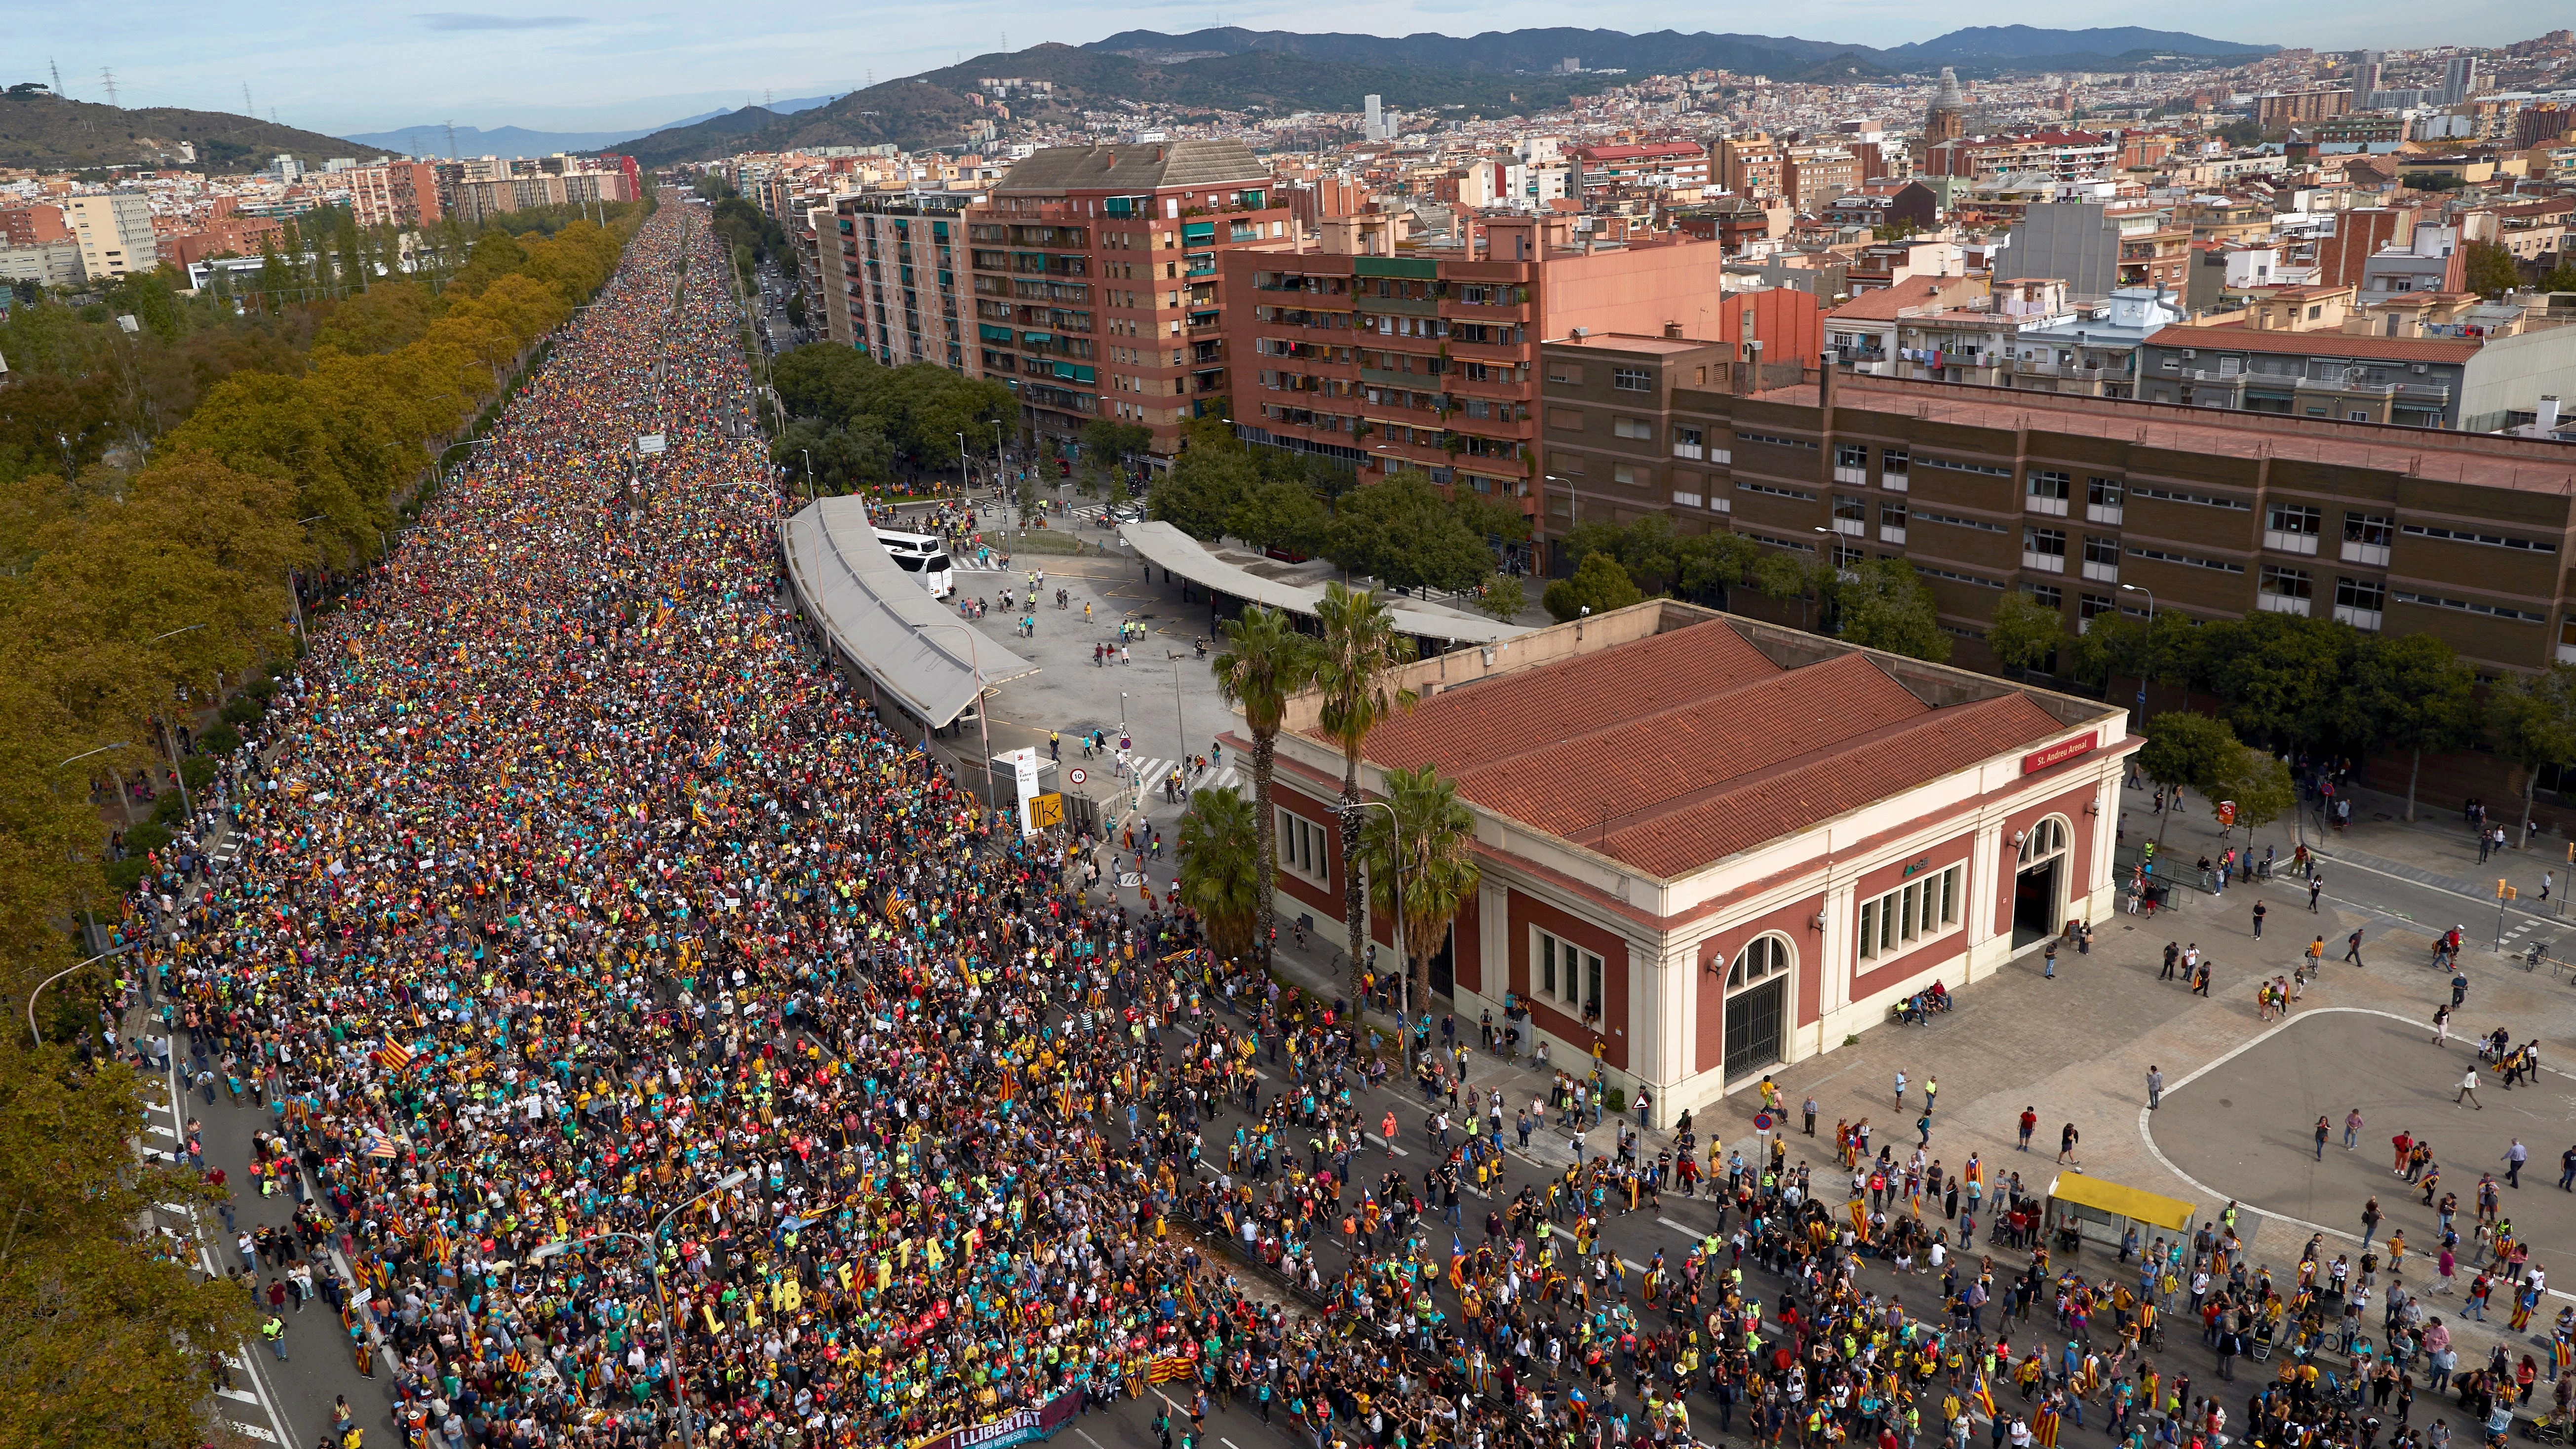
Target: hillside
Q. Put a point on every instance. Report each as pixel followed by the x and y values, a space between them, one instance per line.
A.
pixel 50 134
pixel 1980 49
pixel 932 109
pixel 432 140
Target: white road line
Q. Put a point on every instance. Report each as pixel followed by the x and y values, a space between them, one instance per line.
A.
pixel 248 1363
pixel 1086 1435
pixel 238 1396
pixel 2146 1120
pixel 255 1431
pixel 1687 1231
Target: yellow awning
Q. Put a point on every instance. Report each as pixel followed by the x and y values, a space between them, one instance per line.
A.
pixel 2127 1202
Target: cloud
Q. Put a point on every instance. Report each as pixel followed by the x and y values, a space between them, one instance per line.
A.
pixel 469 20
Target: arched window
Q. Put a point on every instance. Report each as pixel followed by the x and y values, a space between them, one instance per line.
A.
pixel 2043 841
pixel 1761 959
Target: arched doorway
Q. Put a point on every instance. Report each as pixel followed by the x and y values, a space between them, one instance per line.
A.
pixel 2039 881
pixel 1757 1006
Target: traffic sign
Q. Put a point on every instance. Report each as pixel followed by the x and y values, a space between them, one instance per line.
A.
pixel 1761 1121
pixel 1046 810
pixel 1077 775
pixel 2227 812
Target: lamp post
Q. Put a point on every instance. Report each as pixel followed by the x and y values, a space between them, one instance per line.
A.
pixel 2151 644
pixel 982 729
pixel 963 488
pixel 32 1029
pixel 294 595
pixel 172 739
pixel 1403 967
pixel 653 1263
pixel 129 819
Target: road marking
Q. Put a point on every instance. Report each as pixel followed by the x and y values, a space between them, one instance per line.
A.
pixel 1086 1434
pixel 238 1396
pixel 255 1431
pixel 1692 1233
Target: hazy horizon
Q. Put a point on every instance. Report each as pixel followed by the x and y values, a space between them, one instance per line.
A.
pixel 582 65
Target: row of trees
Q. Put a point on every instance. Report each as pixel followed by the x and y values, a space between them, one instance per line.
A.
pixel 856 422
pixel 1404 531
pixel 1417 833
pixel 1875 603
pixel 161 486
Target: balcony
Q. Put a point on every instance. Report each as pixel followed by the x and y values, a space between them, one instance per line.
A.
pixel 1889 534
pixel 2109 513
pixel 1857 477
pixel 1691 451
pixel 2102 573
pixel 1892 482
pixel 2374 555
pixel 2281 604
pixel 2047 563
pixel 2283 540
pixel 2367 620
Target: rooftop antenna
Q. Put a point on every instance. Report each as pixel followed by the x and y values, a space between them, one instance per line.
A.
pixel 107 78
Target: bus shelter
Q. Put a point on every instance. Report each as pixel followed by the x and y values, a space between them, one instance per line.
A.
pixel 2087 1209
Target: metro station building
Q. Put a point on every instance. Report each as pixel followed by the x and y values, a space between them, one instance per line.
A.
pixel 1715 846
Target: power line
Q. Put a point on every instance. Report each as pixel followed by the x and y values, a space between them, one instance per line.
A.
pixel 247 108
pixel 107 78
pixel 58 79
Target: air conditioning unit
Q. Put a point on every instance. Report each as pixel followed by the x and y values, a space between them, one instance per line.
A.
pixel 2418 368
pixel 2188 354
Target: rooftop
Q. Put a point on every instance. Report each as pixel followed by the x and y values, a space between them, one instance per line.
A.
pixel 2229 337
pixel 1672 752
pixel 1144 166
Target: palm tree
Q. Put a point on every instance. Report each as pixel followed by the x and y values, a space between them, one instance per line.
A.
pixel 1220 868
pixel 1269 661
pixel 1361 649
pixel 1425 841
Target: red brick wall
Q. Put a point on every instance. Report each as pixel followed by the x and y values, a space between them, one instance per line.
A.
pixel 1326 901
pixel 1526 911
pixel 1796 921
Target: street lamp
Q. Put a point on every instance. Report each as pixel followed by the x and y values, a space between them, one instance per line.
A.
pixel 982 729
pixel 1403 967
pixel 32 1029
pixel 653 1263
pixel 172 739
pixel 2151 636
pixel 962 487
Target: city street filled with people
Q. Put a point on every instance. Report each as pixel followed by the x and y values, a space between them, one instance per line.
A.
pixel 639 1036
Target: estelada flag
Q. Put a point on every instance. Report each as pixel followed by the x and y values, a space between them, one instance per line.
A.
pixel 1985 1398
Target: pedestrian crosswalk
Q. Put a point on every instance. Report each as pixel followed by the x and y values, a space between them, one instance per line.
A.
pixel 1152 772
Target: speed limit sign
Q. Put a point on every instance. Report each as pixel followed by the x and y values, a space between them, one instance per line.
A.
pixel 1076 775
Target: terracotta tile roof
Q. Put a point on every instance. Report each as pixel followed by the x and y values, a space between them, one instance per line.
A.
pixel 1681 749
pixel 1883 303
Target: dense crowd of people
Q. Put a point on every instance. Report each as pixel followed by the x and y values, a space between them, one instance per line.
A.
pixel 650 1032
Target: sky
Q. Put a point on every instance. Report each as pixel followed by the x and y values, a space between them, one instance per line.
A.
pixel 592 65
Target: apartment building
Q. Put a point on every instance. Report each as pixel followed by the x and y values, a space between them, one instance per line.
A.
pixel 1751 165
pixel 393 193
pixel 28 225
pixel 2074 499
pixel 2475 383
pixel 1097 286
pixel 1653 163
pixel 1386 357
pixel 114 230
pixel 2060 155
pixel 2283 109
pixel 476 201
pixel 1812 177
pixel 894 280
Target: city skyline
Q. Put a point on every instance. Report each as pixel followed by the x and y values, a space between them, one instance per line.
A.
pixel 580 65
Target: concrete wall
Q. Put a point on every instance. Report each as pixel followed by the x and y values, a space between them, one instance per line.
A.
pixel 2511 374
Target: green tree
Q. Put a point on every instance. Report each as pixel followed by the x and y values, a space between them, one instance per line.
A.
pixel 1199 493
pixel 101 1342
pixel 1221 863
pixel 1403 533
pixel 2535 719
pixel 1883 605
pixel 1502 597
pixel 1282 514
pixel 2257 783
pixel 1425 842
pixel 1599 584
pixel 2024 631
pixel 1781 577
pixel 1355 669
pixel 2279 675
pixel 2410 693
pixel 2188 750
pixel 2491 269
pixel 2561 278
pixel 1266 661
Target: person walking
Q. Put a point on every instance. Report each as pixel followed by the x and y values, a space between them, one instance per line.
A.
pixel 2442 1025
pixel 2048 963
pixel 2514 1157
pixel 2352 947
pixel 2155 1086
pixel 2173 958
pixel 2316 885
pixel 2351 1129
pixel 2324 1129
pixel 2469 1091
pixel 2066 1140
pixel 2260 910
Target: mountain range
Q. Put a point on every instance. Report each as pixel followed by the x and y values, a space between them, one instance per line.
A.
pixel 47 133
pixel 1281 72
pixel 432 139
